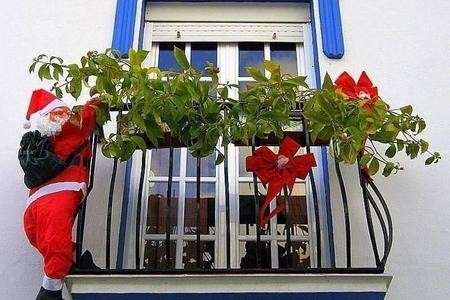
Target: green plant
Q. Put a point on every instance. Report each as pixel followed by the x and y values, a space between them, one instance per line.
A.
pixel 199 113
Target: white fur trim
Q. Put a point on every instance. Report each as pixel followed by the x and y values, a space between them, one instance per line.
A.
pixel 57 187
pixel 26 124
pixel 49 107
pixel 52 284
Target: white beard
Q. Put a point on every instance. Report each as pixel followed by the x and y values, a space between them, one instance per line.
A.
pixel 47 127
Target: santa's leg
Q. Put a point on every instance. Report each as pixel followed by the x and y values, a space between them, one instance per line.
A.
pixel 55 215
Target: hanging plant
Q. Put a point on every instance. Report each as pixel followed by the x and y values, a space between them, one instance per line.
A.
pixel 198 114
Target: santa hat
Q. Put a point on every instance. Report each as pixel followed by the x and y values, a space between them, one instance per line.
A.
pixel 42 102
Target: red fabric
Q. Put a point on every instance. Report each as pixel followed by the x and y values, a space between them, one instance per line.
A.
pixel 39 99
pixel 48 225
pixel 278 171
pixel 69 140
pixel 361 90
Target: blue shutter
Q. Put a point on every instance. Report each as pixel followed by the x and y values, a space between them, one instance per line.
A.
pixel 331 26
pixel 124 26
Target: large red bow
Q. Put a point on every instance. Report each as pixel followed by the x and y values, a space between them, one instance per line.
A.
pixel 278 170
pixel 361 90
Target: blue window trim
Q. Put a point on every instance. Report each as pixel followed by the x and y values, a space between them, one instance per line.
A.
pixel 124 21
pixel 333 47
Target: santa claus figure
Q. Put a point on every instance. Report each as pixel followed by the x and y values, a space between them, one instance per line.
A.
pixel 52 205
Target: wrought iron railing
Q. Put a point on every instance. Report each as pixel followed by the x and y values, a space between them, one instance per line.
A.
pixel 372 199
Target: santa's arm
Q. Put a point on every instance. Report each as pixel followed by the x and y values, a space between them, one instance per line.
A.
pixel 88 117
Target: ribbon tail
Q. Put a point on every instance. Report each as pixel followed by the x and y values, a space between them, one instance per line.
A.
pixel 273 190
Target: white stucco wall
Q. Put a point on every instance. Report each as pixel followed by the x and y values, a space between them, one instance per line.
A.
pixel 403 44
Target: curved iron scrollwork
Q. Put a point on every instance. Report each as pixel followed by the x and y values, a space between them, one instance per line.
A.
pixel 257 256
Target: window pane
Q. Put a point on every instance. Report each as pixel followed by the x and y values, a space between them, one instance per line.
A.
pixel 250 55
pixel 159 165
pixel 299 255
pixel 247 209
pixel 190 255
pixel 247 255
pixel 297 212
pixel 167 60
pixel 207 166
pixel 202 53
pixel 285 55
pixel 157 204
pixel 155 254
pixel 207 208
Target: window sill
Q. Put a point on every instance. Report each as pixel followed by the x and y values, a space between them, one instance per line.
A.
pixel 264 284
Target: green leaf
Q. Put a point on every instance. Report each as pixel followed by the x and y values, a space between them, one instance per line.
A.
pixel 220 158
pixel 181 59
pixel 388 168
pixel 139 141
pixel 400 145
pixel 271 66
pixel 44 72
pixel 407 109
pixel 256 74
pixel 327 82
pixel 223 92
pixel 137 57
pixel 57 71
pixel 390 151
pixel 32 67
pixel 365 159
pixel 374 166
pixel 430 160
pixel 423 146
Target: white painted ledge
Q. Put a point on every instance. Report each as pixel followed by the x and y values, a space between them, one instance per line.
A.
pixel 233 283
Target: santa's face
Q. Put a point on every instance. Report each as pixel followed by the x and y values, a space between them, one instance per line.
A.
pixel 51 123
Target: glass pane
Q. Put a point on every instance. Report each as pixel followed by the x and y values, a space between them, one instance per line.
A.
pixel 250 55
pixel 155 254
pixel 157 204
pixel 243 153
pixel 247 255
pixel 298 212
pixel 159 165
pixel 247 209
pixel 207 208
pixel 202 53
pixel 299 258
pixel 207 166
pixel 206 254
pixel 285 55
pixel 167 60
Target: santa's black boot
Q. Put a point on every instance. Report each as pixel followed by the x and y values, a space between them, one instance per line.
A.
pixel 49 295
pixel 87 262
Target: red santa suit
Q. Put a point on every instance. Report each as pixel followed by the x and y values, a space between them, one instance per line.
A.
pixel 52 206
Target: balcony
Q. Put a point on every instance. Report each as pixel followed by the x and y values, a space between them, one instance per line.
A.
pixel 179 241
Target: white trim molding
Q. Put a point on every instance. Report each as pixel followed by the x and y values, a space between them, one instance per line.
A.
pixel 229 283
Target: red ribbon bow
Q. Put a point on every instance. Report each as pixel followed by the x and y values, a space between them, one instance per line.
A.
pixel 278 171
pixel 363 90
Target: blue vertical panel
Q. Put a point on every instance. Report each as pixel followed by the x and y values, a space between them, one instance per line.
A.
pixel 124 26
pixel 331 25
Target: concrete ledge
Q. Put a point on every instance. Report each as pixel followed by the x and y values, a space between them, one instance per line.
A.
pixel 233 283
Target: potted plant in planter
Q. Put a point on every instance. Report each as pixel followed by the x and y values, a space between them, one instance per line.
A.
pixel 179 109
